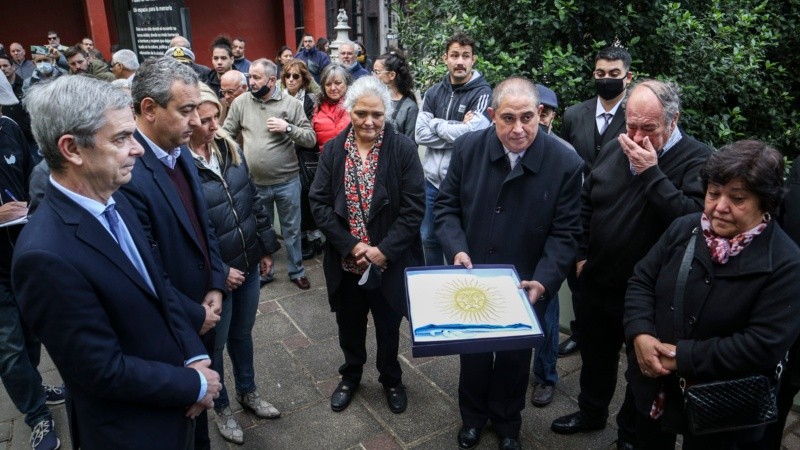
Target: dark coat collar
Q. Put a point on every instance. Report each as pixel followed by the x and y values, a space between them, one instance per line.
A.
pixel 89 230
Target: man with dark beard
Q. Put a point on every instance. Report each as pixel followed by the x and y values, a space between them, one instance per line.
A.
pixel 316 60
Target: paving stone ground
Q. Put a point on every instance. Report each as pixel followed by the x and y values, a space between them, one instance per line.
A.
pixel 296 358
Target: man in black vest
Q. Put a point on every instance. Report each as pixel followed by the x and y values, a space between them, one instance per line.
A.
pixel 590 125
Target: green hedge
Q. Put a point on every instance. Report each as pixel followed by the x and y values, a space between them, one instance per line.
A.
pixel 736 61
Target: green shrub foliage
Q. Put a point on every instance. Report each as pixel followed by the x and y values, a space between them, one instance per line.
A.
pixel 736 61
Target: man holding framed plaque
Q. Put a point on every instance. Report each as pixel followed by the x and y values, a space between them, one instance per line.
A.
pixel 511 196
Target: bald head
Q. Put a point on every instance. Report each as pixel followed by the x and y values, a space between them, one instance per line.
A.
pixel 232 84
pixel 652 108
pixel 17 52
pixel 180 41
pixel 516 87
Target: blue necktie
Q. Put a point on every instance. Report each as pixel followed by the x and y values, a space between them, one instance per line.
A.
pixel 112 217
pixel 113 222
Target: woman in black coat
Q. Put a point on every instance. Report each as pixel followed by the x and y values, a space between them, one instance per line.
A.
pixel 740 302
pixel 368 199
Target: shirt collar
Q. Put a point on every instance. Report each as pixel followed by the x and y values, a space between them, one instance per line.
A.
pixel 673 139
pixel 520 154
pixel 600 110
pixel 159 152
pixel 94 207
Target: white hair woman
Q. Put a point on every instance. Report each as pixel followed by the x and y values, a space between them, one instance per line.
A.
pixel 368 199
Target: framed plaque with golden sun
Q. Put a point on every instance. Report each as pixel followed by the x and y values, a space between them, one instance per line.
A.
pixel 453 310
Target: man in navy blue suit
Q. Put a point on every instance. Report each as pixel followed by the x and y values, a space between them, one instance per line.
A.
pixel 168 198
pixel 89 283
pixel 511 196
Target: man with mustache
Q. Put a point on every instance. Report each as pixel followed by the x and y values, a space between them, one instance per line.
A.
pixel 454 106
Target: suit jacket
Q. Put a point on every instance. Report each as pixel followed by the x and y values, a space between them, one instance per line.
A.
pixel 529 217
pixel 393 219
pixel 580 125
pixel 166 223
pixel 119 347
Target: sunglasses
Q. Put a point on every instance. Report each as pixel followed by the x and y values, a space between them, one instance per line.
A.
pixel 294 76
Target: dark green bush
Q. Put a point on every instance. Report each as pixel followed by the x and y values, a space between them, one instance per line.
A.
pixel 735 60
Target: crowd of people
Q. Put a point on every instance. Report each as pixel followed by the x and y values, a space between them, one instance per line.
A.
pixel 148 190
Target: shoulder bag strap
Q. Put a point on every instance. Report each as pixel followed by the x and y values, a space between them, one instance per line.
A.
pixel 680 285
pixel 397 110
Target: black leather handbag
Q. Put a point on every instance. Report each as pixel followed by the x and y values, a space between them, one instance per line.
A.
pixel 726 405
pixel 730 404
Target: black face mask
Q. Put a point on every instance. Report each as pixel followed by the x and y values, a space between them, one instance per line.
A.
pixel 609 88
pixel 261 92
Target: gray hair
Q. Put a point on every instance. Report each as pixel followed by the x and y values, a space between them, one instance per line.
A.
pixel 667 93
pixel 330 71
pixel 122 83
pixel 70 105
pixel 517 87
pixel 367 86
pixel 352 45
pixel 270 69
pixel 154 80
pixel 241 80
pixel 127 58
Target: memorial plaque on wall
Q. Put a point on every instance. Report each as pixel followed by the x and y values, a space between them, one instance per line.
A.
pixel 154 23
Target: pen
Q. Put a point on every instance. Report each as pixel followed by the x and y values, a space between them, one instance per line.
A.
pixel 8 193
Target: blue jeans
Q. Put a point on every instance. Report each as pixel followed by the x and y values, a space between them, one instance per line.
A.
pixel 287 197
pixel 235 328
pixel 19 357
pixel 434 255
pixel 544 358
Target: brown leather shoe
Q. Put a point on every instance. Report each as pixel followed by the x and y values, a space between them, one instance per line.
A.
pixel 302 283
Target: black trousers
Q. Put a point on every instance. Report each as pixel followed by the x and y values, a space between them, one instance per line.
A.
pixel 602 337
pixel 492 386
pixel 577 303
pixel 351 316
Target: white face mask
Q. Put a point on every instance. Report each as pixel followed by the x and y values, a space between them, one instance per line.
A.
pixel 45 68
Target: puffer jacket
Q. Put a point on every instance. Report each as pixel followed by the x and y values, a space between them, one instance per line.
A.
pixel 242 223
pixel 328 121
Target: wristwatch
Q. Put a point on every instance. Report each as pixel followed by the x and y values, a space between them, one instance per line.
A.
pixel 289 129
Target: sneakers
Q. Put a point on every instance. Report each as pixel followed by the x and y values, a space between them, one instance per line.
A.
pixel 54 395
pixel 43 436
pixel 228 427
pixel 260 408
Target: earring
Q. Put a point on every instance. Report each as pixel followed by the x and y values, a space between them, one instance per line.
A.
pixel 766 217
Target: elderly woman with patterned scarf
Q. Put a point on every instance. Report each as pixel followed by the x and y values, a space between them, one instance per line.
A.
pixel 737 314
pixel 368 199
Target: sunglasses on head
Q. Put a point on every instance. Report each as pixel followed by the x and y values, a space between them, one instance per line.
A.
pixel 294 76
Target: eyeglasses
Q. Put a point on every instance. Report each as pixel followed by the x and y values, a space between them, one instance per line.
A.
pixel 379 72
pixel 224 92
pixel 52 38
pixel 294 76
